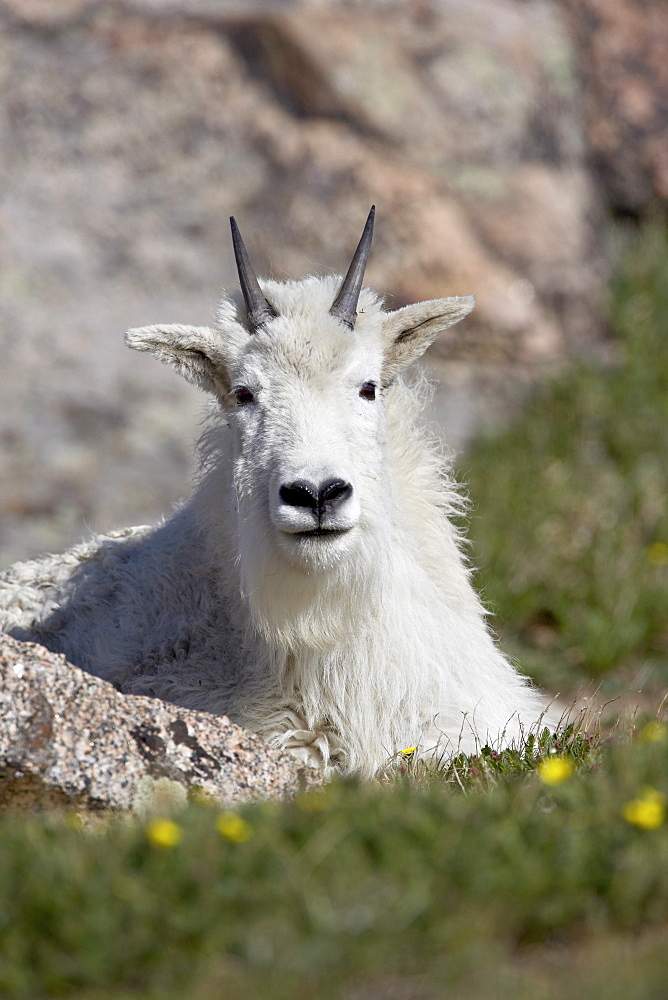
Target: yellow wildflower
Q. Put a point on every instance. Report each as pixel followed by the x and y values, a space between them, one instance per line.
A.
pixel 408 751
pixel 164 833
pixel 657 554
pixel 653 732
pixel 554 770
pixel 232 827
pixel 648 811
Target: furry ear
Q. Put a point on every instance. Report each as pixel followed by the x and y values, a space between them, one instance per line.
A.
pixel 408 332
pixel 194 351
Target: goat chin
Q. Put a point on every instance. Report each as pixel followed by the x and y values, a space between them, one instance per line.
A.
pixel 311 552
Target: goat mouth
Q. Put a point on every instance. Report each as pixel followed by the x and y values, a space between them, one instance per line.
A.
pixel 321 533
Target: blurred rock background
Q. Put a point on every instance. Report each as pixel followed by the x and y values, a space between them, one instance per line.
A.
pixel 498 138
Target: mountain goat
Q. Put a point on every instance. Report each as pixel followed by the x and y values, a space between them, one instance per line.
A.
pixel 312 588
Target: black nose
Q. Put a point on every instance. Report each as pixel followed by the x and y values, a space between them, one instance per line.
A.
pixel 321 498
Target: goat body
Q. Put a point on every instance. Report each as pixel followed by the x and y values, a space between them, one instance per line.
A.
pixel 312 588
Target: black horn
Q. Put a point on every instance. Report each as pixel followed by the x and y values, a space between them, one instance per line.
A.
pixel 258 308
pixel 344 306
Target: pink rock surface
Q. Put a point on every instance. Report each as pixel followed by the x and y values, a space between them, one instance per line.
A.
pixel 70 739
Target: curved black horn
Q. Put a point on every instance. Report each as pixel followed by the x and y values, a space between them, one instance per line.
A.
pixel 345 303
pixel 258 308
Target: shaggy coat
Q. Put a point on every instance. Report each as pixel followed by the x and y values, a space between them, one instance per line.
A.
pixel 348 643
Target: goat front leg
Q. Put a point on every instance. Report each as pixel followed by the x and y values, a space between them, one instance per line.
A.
pixel 318 748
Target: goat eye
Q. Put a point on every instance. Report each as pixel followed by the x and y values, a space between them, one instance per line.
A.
pixel 368 390
pixel 243 395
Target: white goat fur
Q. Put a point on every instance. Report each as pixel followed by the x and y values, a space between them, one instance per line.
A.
pixel 346 649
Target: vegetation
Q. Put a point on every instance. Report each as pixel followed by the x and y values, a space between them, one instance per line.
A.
pixel 424 884
pixel 571 520
pixel 530 874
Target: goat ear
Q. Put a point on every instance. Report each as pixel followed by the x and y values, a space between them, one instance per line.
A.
pixel 193 351
pixel 408 332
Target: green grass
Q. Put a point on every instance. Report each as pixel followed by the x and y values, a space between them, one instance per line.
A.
pixel 478 880
pixel 422 881
pixel 570 516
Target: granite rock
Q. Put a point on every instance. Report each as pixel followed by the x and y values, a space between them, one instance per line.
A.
pixel 622 56
pixel 68 739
